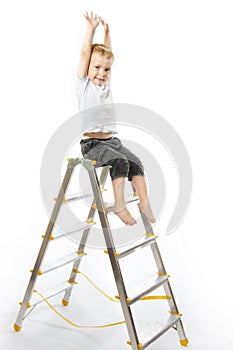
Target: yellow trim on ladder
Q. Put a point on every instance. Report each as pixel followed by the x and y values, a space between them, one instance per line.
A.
pixel 148 297
pixel 139 345
pixel 175 313
pixel 27 306
pixel 38 273
pixel 163 274
pixel 71 322
pixel 17 328
pixel 51 237
pixel 90 222
pixel 184 342
pixel 115 254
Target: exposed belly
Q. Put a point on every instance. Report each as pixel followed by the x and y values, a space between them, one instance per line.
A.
pixel 98 135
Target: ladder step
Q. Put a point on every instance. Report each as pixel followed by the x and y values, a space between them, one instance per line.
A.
pixel 76 196
pixel 145 288
pixel 153 331
pixel 49 293
pixel 145 241
pixel 60 262
pixel 76 228
pixel 79 195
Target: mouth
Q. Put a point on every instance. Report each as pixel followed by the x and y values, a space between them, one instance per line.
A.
pixel 101 80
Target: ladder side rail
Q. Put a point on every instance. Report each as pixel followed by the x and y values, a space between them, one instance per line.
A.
pixel 46 239
pixel 161 268
pixel 181 331
pixel 111 252
pixel 160 264
pixel 91 215
pixel 154 246
pixel 102 180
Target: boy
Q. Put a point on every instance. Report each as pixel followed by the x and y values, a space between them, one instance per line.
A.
pixel 98 122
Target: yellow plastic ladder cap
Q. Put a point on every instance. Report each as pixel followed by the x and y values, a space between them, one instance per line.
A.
pixel 139 345
pixel 38 273
pixel 64 302
pixel 81 253
pixel 175 313
pixel 163 274
pixel 63 199
pixel 90 222
pixel 17 328
pixel 27 306
pixel 150 235
pixel 72 282
pixel 51 237
pixel 184 342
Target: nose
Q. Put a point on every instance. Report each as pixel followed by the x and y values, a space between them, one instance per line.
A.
pixel 102 72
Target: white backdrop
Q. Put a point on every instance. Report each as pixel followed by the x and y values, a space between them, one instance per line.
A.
pixel 173 57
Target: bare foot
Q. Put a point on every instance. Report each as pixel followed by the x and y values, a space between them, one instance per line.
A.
pixel 124 215
pixel 146 209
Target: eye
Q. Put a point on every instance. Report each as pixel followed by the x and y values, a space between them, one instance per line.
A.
pixel 107 70
pixel 97 67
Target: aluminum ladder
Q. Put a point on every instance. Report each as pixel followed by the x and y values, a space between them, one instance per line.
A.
pixel 137 340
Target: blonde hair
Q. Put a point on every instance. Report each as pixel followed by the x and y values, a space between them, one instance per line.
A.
pixel 102 50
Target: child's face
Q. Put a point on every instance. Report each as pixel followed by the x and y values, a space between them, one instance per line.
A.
pixel 99 71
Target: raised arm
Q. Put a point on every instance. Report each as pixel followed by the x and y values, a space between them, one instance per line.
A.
pixel 107 39
pixel 92 22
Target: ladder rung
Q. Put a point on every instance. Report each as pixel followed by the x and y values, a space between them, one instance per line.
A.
pixel 52 292
pixel 145 288
pixel 76 228
pixel 129 199
pixel 77 196
pixel 153 331
pixel 145 241
pixel 60 262
pixel 80 195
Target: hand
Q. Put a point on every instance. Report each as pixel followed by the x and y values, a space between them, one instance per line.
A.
pixel 92 20
pixel 105 25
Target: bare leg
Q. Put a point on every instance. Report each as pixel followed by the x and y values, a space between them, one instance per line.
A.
pixel 119 206
pixel 139 183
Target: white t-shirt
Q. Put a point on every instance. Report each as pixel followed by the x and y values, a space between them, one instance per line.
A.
pixel 96 107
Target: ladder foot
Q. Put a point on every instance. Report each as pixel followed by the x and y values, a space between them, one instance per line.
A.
pixel 17 328
pixel 184 342
pixel 64 302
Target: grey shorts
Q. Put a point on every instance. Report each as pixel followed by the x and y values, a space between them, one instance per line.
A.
pixel 112 152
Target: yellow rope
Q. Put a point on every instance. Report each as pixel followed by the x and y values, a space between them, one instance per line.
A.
pixel 95 286
pixel 102 292
pixel 117 299
pixel 72 323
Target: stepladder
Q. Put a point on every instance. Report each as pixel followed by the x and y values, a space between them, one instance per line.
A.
pixel 138 338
